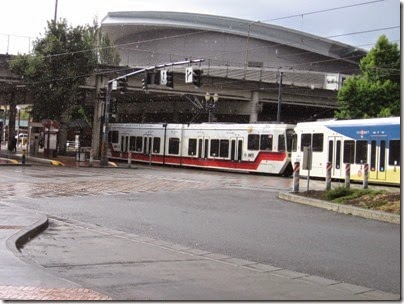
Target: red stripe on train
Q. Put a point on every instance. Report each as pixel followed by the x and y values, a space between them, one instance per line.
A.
pixel 209 162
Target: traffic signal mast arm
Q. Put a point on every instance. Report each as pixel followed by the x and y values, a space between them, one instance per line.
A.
pixel 157 67
pixel 122 79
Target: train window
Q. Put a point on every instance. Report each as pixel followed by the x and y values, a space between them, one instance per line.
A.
pixel 373 155
pixel 214 147
pixel 281 142
pixel 139 144
pixel 156 144
pixel 192 146
pixel 289 139
pixel 253 142
pixel 338 155
pixel 318 141
pixel 146 149
pixel 305 141
pixel 330 151
pixel 294 142
pixel 382 156
pixel 361 152
pixel 132 142
pixel 266 142
pixel 114 137
pixel 173 145
pixel 224 148
pixel 394 153
pixel 349 151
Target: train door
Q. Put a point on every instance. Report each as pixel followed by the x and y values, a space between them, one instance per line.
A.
pixel 377 165
pixel 236 149
pixel 124 143
pixel 147 144
pixel 203 147
pixel 148 150
pixel 335 156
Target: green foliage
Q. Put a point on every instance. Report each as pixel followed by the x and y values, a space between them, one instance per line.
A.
pixel 106 52
pixel 59 64
pixel 376 92
pixel 341 194
pixel 337 193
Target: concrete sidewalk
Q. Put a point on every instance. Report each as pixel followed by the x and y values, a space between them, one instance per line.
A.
pixel 22 280
pixel 158 270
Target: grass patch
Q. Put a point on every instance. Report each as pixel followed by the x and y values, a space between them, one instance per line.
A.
pixel 341 195
pixel 365 198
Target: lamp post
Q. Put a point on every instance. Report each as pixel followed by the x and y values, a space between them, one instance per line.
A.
pixel 210 103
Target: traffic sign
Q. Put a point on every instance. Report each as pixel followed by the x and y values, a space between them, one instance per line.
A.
pixel 163 77
pixel 114 85
pixel 188 75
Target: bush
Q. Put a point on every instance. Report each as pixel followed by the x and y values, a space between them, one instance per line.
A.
pixel 337 193
pixel 341 194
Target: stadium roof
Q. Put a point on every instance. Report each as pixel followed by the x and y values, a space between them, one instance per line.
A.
pixel 140 21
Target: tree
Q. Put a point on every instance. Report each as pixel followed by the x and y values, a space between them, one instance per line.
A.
pixel 376 91
pixel 106 51
pixel 59 64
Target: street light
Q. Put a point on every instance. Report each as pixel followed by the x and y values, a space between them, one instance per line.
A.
pixel 210 103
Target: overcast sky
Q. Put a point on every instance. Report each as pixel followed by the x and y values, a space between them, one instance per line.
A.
pixel 342 20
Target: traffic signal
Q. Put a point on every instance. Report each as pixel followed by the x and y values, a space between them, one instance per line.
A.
pixel 157 78
pixel 102 94
pixel 114 106
pixel 170 79
pixel 150 78
pixel 197 77
pixel 123 84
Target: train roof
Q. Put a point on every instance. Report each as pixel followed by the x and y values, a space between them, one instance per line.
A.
pixel 203 125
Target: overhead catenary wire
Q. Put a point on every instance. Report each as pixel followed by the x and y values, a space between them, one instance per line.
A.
pixel 239 63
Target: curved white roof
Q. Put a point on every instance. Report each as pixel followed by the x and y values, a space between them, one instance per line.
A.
pixel 137 21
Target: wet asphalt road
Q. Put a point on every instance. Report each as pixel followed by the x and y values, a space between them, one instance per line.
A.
pixel 232 214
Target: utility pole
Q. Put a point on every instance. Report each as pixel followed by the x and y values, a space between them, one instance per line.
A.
pixel 56 11
pixel 278 116
pixel 104 146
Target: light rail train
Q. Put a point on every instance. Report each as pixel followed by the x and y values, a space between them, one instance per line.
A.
pixel 267 148
pixel 260 147
pixel 373 141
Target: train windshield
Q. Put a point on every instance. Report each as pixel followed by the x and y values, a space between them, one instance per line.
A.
pixel 113 137
pixel 289 139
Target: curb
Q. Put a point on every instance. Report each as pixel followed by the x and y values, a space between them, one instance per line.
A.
pixel 23 236
pixel 345 209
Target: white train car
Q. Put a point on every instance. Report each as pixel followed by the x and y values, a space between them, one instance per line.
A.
pixel 264 148
pixel 373 141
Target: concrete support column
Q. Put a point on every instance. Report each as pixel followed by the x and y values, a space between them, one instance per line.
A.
pixel 254 106
pixel 98 114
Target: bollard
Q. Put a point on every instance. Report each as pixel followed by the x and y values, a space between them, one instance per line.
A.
pixel 347 175
pixel 296 173
pixel 328 176
pixel 23 157
pixel 365 176
pixel 91 157
pixel 129 159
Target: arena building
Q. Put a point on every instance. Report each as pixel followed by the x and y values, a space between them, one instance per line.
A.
pixel 260 72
